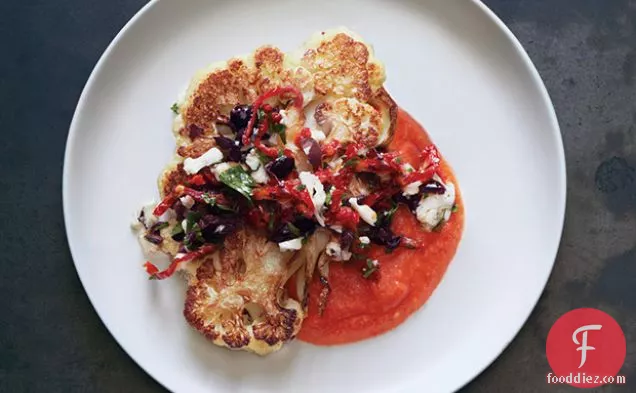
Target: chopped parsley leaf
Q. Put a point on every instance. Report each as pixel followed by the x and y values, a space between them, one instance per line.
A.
pixel 387 216
pixel 177 230
pixel 193 227
pixel 191 220
pixel 191 243
pixel 351 162
pixel 207 198
pixel 293 229
pixel 159 226
pixel 356 255
pixel 175 108
pixel 438 228
pixel 371 268
pixel 328 199
pixel 210 200
pixel 263 157
pixel 237 179
pixel 280 130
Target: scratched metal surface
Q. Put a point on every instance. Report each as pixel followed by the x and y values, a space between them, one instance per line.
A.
pixel 50 337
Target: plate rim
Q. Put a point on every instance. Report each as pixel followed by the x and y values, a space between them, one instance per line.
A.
pixel 557 137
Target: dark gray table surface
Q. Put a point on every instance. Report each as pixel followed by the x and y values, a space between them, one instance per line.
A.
pixel 51 340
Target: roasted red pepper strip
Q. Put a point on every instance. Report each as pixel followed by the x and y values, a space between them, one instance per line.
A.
pixel 181 190
pixel 341 215
pixel 164 205
pixel 330 148
pixel 376 197
pixel 324 175
pixel 287 190
pixel 342 178
pixel 197 180
pixel 271 152
pixel 298 103
pixel 352 150
pixel 302 135
pixel 347 217
pixel 155 274
pixel 301 195
pixel 258 217
pixel 417 176
pixel 430 156
pixel 150 268
pixel 336 199
pixel 209 177
pixel 266 193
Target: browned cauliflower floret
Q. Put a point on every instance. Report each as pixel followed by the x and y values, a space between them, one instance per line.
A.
pixel 237 300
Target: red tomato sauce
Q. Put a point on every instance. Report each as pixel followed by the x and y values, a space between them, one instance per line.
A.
pixel 360 308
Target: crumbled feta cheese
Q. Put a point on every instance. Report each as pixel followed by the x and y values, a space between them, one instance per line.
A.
pixel 220 168
pixel 337 228
pixel 292 147
pixel 293 244
pixel 432 209
pixel 366 213
pixel 316 191
pixel 289 117
pixel 363 152
pixel 148 218
pixel 252 160
pixel 184 225
pixel 210 157
pixel 318 135
pixel 375 263
pixel 364 240
pixel 260 175
pixel 284 119
pixel 310 115
pixel 334 250
pixel 219 229
pixel 187 201
pixel 336 163
pixel 168 215
pixel 412 188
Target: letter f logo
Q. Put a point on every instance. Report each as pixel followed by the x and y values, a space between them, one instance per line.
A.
pixel 583 344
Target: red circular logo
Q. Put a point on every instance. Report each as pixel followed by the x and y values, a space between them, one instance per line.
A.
pixel 585 348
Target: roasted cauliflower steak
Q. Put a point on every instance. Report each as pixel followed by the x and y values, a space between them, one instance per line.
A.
pixel 237 299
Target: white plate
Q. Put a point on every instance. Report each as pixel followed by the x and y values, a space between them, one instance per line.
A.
pixel 452 64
